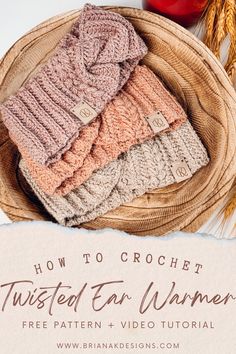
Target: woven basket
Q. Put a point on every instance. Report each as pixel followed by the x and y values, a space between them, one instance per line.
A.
pixel 201 85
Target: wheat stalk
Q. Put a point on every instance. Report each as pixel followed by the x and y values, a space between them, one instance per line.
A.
pixel 230 6
pixel 210 21
pixel 220 22
pixel 220 33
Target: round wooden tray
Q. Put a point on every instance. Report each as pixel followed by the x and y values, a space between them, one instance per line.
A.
pixel 201 85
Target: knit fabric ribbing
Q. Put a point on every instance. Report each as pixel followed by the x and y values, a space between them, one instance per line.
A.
pixel 91 63
pixel 122 124
pixel 143 168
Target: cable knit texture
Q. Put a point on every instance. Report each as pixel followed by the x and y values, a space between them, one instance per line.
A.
pixel 143 168
pixel 121 125
pixel 91 63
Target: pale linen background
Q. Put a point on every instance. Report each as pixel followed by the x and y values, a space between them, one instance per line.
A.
pixel 18 17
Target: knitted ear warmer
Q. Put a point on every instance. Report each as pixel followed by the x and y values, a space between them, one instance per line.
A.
pixel 122 124
pixel 154 164
pixel 91 64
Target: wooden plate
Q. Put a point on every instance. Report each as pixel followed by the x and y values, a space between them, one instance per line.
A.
pixel 201 85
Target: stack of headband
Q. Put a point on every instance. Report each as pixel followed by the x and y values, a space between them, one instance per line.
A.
pixel 122 124
pixel 94 128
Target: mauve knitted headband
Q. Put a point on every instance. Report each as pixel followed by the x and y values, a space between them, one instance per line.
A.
pixel 90 65
pixel 122 124
pixel 154 164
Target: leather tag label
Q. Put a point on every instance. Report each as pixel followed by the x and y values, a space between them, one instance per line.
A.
pixel 84 112
pixel 157 122
pixel 181 171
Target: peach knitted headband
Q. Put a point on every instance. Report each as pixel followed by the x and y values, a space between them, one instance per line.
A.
pixel 128 120
pixel 90 65
pixel 143 168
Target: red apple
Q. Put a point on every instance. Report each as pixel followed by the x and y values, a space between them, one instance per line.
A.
pixel 185 12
